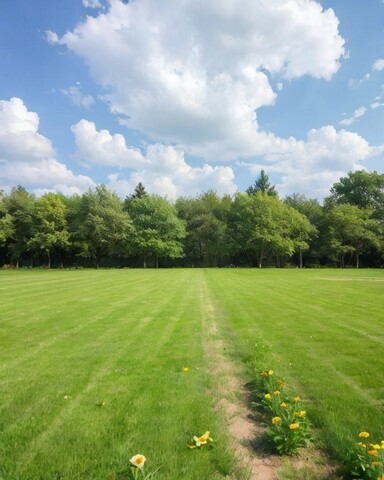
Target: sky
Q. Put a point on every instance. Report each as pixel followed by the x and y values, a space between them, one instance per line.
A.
pixel 189 95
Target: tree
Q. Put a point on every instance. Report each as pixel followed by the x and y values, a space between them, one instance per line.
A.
pixel 261 225
pixel 262 185
pixel 158 232
pixel 102 226
pixel 362 189
pixel 353 231
pixel 20 206
pixel 50 226
pixel 206 227
pixel 139 192
pixel 6 224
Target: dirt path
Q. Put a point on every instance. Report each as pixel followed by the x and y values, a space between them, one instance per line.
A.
pixel 243 428
pixel 244 424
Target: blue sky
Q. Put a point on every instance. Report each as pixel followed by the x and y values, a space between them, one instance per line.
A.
pixel 187 96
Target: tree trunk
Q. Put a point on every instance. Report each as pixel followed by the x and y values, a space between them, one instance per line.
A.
pixel 156 261
pixel 301 258
pixel 145 263
pixel 49 259
pixel 357 260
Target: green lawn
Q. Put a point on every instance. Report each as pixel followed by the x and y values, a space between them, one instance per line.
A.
pixel 71 340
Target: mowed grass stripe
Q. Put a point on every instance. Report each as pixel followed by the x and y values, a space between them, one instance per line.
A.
pixel 321 334
pixel 130 356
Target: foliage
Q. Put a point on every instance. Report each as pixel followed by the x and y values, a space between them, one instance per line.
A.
pixel 158 231
pixel 367 460
pixel 262 185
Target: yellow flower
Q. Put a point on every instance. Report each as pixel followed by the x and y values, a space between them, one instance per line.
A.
pixel 376 464
pixel 270 373
pixel 363 434
pixel 264 373
pixel 375 446
pixel 373 453
pixel 276 420
pixel 276 392
pixel 296 399
pixel 281 383
pixel 185 369
pixel 267 396
pixel 202 440
pixel 138 461
pixel 300 414
pixel 283 404
pixel 361 444
pixel 293 426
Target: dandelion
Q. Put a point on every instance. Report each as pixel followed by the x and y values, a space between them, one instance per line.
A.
pixel 276 420
pixel 373 453
pixel 300 414
pixel 281 383
pixel 203 440
pixel 296 399
pixel 363 434
pixel 361 444
pixel 185 369
pixel 267 396
pixel 294 426
pixel 376 464
pixel 138 461
pixel 283 404
pixel 270 373
pixel 276 392
pixel 376 446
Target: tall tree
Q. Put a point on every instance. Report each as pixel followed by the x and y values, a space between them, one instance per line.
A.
pixel 353 231
pixel 263 185
pixel 103 227
pixel 362 189
pixel 20 205
pixel 206 227
pixel 6 224
pixel 158 230
pixel 139 192
pixel 50 226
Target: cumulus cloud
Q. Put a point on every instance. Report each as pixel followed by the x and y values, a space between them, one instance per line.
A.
pixel 78 98
pixel 163 169
pixel 26 156
pixel 194 75
pixel 92 4
pixel 378 65
pixel 358 113
pixel 313 165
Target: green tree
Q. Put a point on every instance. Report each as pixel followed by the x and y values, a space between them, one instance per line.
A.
pixel 206 227
pixel 102 227
pixel 20 206
pixel 353 231
pixel 6 224
pixel 262 225
pixel 139 192
pixel 263 185
pixel 158 230
pixel 50 226
pixel 362 189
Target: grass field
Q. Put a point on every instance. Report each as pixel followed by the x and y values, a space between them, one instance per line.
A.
pixel 91 363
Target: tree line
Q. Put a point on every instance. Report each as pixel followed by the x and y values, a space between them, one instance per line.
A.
pixel 254 228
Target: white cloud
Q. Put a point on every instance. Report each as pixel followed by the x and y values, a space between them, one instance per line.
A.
pixel 358 113
pixel 51 37
pixel 196 74
pixel 92 4
pixel 378 65
pixel 26 156
pixel 163 169
pixel 375 105
pixel 101 148
pixel 312 166
pixel 77 98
